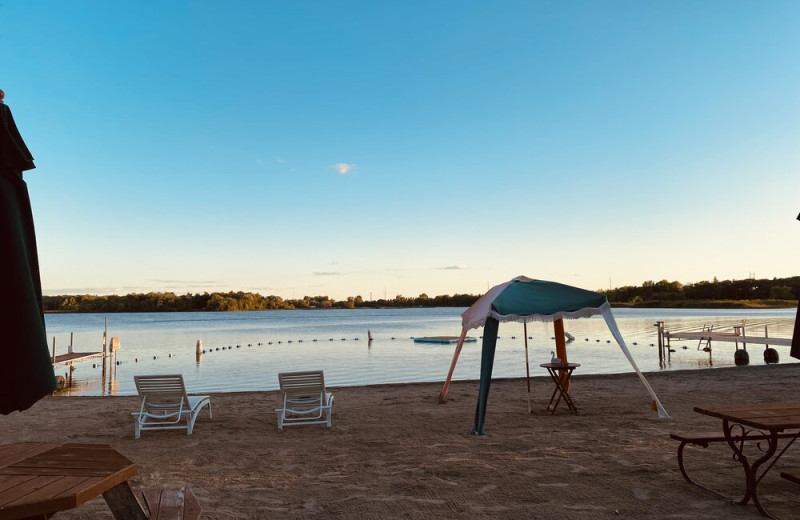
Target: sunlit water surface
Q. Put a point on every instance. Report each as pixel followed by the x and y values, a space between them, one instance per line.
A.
pixel 246 350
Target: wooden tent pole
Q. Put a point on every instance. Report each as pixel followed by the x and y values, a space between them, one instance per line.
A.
pixel 527 364
pixel 561 342
pixel 561 346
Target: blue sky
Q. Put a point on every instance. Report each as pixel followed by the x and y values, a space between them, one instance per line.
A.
pixel 384 148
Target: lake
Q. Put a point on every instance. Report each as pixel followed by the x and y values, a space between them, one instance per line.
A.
pixel 246 350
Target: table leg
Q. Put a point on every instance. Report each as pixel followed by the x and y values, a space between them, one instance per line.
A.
pixel 737 443
pixel 555 392
pixel 123 503
pixel 561 380
pixel 567 397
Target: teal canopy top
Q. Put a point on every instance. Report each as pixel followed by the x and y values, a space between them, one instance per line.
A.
pixel 540 297
pixel 526 299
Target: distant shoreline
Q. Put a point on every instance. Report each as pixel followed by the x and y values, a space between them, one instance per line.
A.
pixel 652 304
pixel 709 304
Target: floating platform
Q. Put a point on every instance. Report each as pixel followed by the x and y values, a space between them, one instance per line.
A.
pixel 442 340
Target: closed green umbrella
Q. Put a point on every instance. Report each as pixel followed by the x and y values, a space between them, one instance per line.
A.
pixel 26 371
pixel 795 351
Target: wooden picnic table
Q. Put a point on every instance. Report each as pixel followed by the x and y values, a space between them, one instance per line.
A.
pixel 757 423
pixel 38 479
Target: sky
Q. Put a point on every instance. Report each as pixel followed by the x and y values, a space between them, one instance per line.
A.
pixel 377 149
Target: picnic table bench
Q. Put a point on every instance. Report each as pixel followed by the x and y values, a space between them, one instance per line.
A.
pixel 171 504
pixel 753 432
pixel 704 439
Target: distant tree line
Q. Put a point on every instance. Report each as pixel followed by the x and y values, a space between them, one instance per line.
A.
pixel 664 292
pixel 650 293
pixel 234 301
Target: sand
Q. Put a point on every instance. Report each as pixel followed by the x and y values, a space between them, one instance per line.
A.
pixel 394 452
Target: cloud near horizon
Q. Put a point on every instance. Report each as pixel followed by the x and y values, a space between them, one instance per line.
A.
pixel 327 273
pixel 344 168
pixel 454 268
pixel 210 283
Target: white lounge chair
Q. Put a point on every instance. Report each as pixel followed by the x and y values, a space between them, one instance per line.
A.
pixel 305 400
pixel 166 405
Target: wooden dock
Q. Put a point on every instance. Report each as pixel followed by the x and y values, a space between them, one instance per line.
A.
pixel 70 358
pixel 708 335
pixel 729 337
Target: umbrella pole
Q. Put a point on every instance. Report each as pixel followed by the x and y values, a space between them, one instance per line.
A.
pixel 527 365
pixel 561 348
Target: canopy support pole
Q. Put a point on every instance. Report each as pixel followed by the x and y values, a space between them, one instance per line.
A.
pixel 612 326
pixel 446 386
pixel 527 364
pixel 487 364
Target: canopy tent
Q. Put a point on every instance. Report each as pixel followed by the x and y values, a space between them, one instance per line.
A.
pixel 523 300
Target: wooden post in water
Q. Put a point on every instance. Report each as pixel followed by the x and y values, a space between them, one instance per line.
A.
pixel 527 365
pixel 198 353
pixel 71 334
pixel 744 344
pixel 54 350
pixel 660 325
pixel 113 348
pixel 105 336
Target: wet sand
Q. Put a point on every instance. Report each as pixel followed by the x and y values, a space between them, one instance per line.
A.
pixel 394 452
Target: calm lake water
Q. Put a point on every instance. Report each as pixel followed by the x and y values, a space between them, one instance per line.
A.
pixel 246 350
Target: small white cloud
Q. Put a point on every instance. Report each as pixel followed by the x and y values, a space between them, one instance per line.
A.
pixel 327 273
pixel 280 160
pixel 344 168
pixel 455 268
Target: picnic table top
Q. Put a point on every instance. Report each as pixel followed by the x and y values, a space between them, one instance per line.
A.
pixel 39 478
pixel 764 416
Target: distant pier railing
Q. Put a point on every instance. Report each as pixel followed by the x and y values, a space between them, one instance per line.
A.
pixel 707 335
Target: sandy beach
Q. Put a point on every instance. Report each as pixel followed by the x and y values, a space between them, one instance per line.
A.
pixel 394 452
